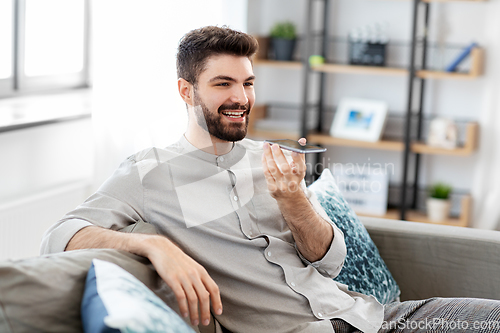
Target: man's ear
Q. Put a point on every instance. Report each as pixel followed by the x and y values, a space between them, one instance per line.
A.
pixel 186 90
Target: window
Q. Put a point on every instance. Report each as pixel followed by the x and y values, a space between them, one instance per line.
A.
pixel 45 43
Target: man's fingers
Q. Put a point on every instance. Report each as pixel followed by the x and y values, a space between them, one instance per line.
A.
pixel 214 291
pixel 204 302
pixel 192 301
pixel 270 162
pixel 280 159
pixel 298 163
pixel 180 295
pixel 191 284
pixel 207 290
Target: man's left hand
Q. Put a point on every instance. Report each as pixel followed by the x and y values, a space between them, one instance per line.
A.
pixel 283 178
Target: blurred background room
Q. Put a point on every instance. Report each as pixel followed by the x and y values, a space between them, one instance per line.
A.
pixel 85 84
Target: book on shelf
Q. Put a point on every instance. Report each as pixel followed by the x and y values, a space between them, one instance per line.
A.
pixel 452 67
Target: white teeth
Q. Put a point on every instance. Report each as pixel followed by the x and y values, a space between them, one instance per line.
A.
pixel 234 114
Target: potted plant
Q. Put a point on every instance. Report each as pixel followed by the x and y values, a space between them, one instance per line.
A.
pixel 438 202
pixel 283 37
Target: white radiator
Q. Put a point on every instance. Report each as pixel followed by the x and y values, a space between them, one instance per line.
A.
pixel 24 221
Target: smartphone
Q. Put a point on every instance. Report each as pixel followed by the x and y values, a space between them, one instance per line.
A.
pixel 297 147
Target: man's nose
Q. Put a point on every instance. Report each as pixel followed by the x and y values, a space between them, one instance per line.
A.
pixel 239 95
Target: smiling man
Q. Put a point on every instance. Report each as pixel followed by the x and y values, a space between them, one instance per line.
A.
pixel 236 235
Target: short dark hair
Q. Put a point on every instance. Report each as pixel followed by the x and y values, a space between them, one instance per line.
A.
pixel 198 45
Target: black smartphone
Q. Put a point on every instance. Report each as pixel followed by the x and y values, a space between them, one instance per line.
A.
pixel 297 147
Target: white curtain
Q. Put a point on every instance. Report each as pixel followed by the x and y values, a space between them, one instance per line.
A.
pixel 486 191
pixel 135 99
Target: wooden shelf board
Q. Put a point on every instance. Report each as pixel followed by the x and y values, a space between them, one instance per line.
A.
pixel 330 140
pixel 476 69
pixel 273 135
pixel 353 69
pixel 426 74
pixel 422 148
pixel 468 149
pixel 416 216
pixel 279 64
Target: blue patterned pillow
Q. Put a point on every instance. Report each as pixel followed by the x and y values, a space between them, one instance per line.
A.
pixel 364 269
pixel 115 301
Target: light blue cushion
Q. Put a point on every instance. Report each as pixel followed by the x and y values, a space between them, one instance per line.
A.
pixel 364 269
pixel 115 301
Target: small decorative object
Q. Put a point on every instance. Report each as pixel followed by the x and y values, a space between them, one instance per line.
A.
pixel 263 51
pixel 367 46
pixel 316 60
pixel 438 202
pixel 460 58
pixel 443 133
pixel 359 119
pixel 283 37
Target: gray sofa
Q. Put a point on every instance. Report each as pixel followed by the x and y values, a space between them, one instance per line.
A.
pixel 429 260
pixel 44 293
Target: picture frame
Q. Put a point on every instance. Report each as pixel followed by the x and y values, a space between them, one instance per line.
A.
pixel 359 119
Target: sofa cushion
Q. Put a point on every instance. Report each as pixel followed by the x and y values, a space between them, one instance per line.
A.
pixel 364 269
pixel 115 301
pixel 44 293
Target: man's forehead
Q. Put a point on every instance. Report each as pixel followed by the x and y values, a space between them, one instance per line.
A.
pixel 237 67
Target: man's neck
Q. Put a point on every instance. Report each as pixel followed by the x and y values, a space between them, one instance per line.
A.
pixel 206 142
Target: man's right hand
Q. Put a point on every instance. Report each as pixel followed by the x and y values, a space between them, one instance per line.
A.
pixel 190 282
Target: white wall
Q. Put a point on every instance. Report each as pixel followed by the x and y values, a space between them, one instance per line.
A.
pixel 41 158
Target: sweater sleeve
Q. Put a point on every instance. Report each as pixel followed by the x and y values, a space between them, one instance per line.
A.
pixel 117 204
pixel 333 261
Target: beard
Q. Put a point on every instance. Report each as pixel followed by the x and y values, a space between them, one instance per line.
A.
pixel 213 123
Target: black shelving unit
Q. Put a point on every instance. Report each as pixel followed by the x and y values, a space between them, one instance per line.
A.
pixel 419 48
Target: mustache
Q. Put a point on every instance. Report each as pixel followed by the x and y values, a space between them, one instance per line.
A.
pixel 235 106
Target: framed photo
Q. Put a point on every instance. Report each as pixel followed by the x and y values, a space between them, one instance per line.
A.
pixel 359 119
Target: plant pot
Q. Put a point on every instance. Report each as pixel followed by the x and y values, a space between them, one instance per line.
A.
pixel 438 210
pixel 283 48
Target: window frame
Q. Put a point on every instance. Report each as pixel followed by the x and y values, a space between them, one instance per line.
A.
pixel 19 84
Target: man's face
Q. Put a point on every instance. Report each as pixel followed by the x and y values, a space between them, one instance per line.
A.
pixel 225 95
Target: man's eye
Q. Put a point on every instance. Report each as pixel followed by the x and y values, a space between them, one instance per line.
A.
pixel 223 84
pixel 248 84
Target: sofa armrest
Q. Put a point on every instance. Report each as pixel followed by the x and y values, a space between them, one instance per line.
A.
pixel 430 260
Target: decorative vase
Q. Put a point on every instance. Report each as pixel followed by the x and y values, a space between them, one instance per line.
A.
pixel 438 210
pixel 283 48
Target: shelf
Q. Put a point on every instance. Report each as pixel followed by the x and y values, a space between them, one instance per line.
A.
pixel 416 216
pixel 273 135
pixel 278 64
pixel 330 140
pixel 476 69
pixel 355 69
pixel 471 135
pixel 472 130
pixel 469 147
